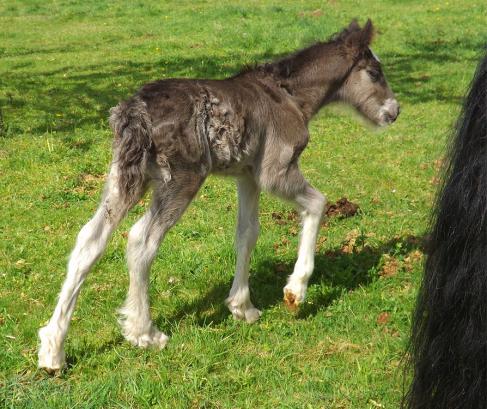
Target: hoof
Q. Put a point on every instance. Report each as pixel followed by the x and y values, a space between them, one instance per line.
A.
pixel 290 300
pixel 154 338
pixel 51 353
pixel 243 312
pixel 294 294
pixel 252 315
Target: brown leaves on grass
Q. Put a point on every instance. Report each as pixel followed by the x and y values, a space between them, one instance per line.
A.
pixel 284 218
pixel 293 231
pixel 392 264
pixel 283 243
pixel 412 258
pixel 89 178
pixel 89 184
pixel 330 347
pixel 435 180
pixel 383 318
pixel 320 243
pixel 350 241
pixel 390 267
pixel 437 166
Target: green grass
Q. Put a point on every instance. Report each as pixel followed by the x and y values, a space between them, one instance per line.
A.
pixel 63 64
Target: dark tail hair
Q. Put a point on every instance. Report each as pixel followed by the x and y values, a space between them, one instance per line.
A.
pixel 448 349
pixel 132 127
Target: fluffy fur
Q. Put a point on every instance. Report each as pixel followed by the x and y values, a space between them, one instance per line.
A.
pixel 174 132
pixel 449 333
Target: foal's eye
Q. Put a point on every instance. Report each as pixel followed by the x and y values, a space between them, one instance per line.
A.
pixel 374 75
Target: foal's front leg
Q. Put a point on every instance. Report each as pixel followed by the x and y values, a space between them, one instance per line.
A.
pixel 311 204
pixel 292 186
pixel 238 300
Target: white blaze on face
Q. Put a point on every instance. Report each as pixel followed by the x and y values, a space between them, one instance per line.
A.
pixel 374 55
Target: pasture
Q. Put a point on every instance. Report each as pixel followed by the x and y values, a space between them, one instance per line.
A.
pixel 63 64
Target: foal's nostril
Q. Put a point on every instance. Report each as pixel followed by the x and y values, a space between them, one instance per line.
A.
pixel 390 111
pixel 394 112
pixel 398 110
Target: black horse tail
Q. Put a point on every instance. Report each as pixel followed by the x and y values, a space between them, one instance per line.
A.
pixel 448 347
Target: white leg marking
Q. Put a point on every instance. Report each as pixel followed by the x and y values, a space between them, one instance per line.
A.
pixel 91 242
pixel 143 243
pixel 238 300
pixel 297 284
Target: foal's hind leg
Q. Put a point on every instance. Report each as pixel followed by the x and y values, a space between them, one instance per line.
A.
pixel 169 203
pixel 143 242
pixel 91 242
pixel 238 300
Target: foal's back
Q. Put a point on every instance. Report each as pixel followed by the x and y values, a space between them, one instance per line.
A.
pixel 220 125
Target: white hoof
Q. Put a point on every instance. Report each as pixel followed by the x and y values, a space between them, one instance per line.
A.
pixel 294 294
pixel 151 338
pixel 243 311
pixel 51 351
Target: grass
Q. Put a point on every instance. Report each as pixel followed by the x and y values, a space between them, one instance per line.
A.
pixel 65 63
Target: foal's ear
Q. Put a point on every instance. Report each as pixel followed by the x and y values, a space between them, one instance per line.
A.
pixel 359 39
pixel 353 26
pixel 367 33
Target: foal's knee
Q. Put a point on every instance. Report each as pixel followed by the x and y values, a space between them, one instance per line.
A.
pixel 248 233
pixel 143 241
pixel 314 202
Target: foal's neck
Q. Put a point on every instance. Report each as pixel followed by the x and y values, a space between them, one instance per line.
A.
pixel 313 76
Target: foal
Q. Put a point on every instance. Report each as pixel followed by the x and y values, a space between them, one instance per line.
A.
pixel 173 133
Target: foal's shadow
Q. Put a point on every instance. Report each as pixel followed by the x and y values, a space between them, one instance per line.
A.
pixel 83 351
pixel 336 272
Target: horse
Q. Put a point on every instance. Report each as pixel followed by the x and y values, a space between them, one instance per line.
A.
pixel 253 126
pixel 448 345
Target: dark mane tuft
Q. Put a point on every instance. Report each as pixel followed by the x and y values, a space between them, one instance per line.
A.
pixel 284 67
pixel 341 36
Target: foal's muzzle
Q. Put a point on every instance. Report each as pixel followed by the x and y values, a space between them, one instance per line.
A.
pixel 389 112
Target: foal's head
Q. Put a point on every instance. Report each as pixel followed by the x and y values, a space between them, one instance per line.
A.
pixel 366 87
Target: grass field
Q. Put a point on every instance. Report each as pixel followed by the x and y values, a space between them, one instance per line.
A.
pixel 63 64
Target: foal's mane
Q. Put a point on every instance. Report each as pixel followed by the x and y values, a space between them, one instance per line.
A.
pixel 350 40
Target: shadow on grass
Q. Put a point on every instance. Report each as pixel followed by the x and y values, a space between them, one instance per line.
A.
pixel 67 98
pixel 84 351
pixel 335 271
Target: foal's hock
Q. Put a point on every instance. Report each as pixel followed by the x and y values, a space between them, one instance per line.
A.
pixel 173 133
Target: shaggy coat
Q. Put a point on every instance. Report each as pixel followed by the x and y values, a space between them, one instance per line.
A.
pixel 173 133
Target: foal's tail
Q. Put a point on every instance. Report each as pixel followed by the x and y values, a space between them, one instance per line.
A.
pixel 449 334
pixel 132 127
